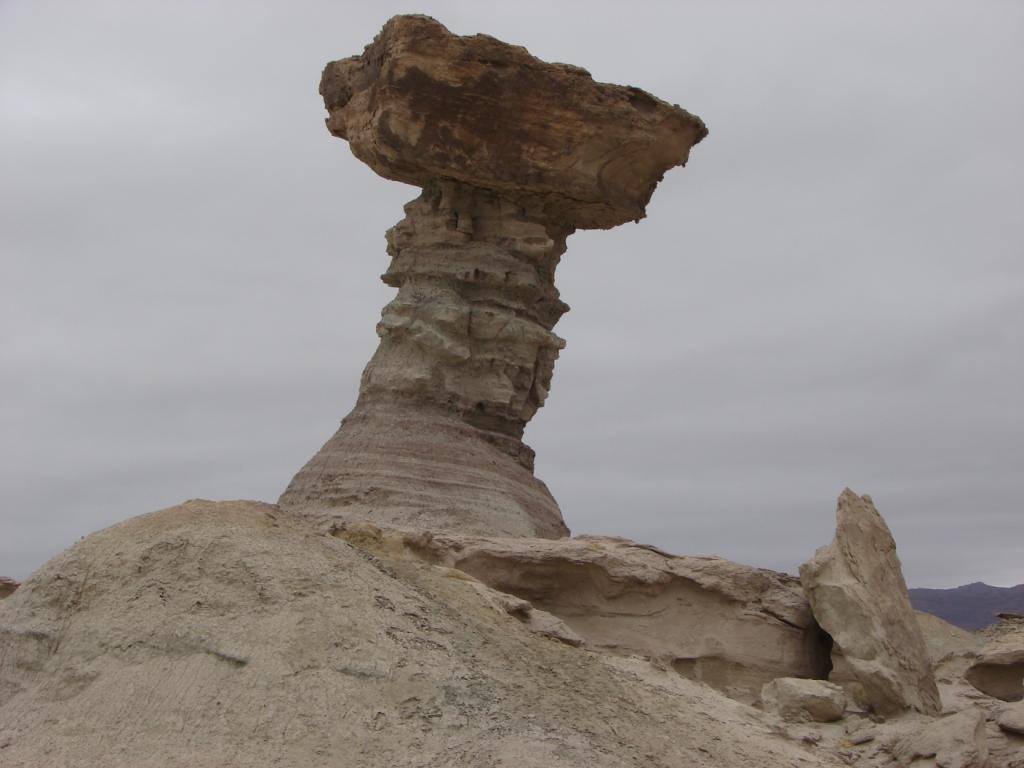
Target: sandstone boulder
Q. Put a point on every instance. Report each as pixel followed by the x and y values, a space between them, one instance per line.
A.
pixel 857 593
pixel 234 634
pixel 730 626
pixel 794 698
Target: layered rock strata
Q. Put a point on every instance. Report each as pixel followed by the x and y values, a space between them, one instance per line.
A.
pixel 857 593
pixel 513 154
pixel 731 626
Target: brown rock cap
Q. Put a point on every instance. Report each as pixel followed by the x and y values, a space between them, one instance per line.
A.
pixel 421 103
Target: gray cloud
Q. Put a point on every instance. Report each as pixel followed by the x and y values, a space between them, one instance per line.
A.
pixel 832 293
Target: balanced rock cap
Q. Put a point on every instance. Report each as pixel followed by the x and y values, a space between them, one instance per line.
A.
pixel 421 103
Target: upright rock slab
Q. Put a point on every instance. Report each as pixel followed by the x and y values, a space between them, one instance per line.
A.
pixel 857 594
pixel 513 155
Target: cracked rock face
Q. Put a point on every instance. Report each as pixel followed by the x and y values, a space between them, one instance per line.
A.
pixel 513 154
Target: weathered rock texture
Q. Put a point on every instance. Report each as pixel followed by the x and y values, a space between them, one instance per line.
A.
pixel 7 586
pixel 794 698
pixel 999 669
pixel 957 741
pixel 234 634
pixel 730 626
pixel 857 593
pixel 1011 718
pixel 513 154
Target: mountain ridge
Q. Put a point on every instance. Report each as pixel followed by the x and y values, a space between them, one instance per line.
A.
pixel 969 606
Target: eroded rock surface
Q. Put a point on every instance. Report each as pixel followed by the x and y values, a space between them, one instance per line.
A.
pixel 999 669
pixel 513 154
pixel 234 634
pixel 731 626
pixel 957 741
pixel 857 593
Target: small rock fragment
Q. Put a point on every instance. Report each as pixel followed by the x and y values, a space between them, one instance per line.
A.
pixel 793 698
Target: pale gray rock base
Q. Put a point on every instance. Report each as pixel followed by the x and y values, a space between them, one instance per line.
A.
pixel 235 634
pixel 417 466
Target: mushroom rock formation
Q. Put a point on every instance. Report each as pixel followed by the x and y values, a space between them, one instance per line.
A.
pixel 513 154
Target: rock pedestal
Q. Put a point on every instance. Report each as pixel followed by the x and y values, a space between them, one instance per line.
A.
pixel 513 154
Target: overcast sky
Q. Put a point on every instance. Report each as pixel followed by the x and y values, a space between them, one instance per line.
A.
pixel 830 294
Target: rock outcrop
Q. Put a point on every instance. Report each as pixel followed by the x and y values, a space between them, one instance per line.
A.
pixel 7 586
pixel 794 698
pixel 236 634
pixel 999 669
pixel 957 741
pixel 513 154
pixel 857 593
pixel 730 626
pixel 1011 718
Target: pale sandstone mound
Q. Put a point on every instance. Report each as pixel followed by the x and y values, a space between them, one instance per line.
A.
pixel 233 634
pixel 513 154
pixel 857 593
pixel 731 626
pixel 793 698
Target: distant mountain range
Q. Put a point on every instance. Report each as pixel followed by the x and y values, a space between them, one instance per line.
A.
pixel 971 606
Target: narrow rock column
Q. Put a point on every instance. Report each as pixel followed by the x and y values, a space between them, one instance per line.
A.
pixel 513 155
pixel 470 329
